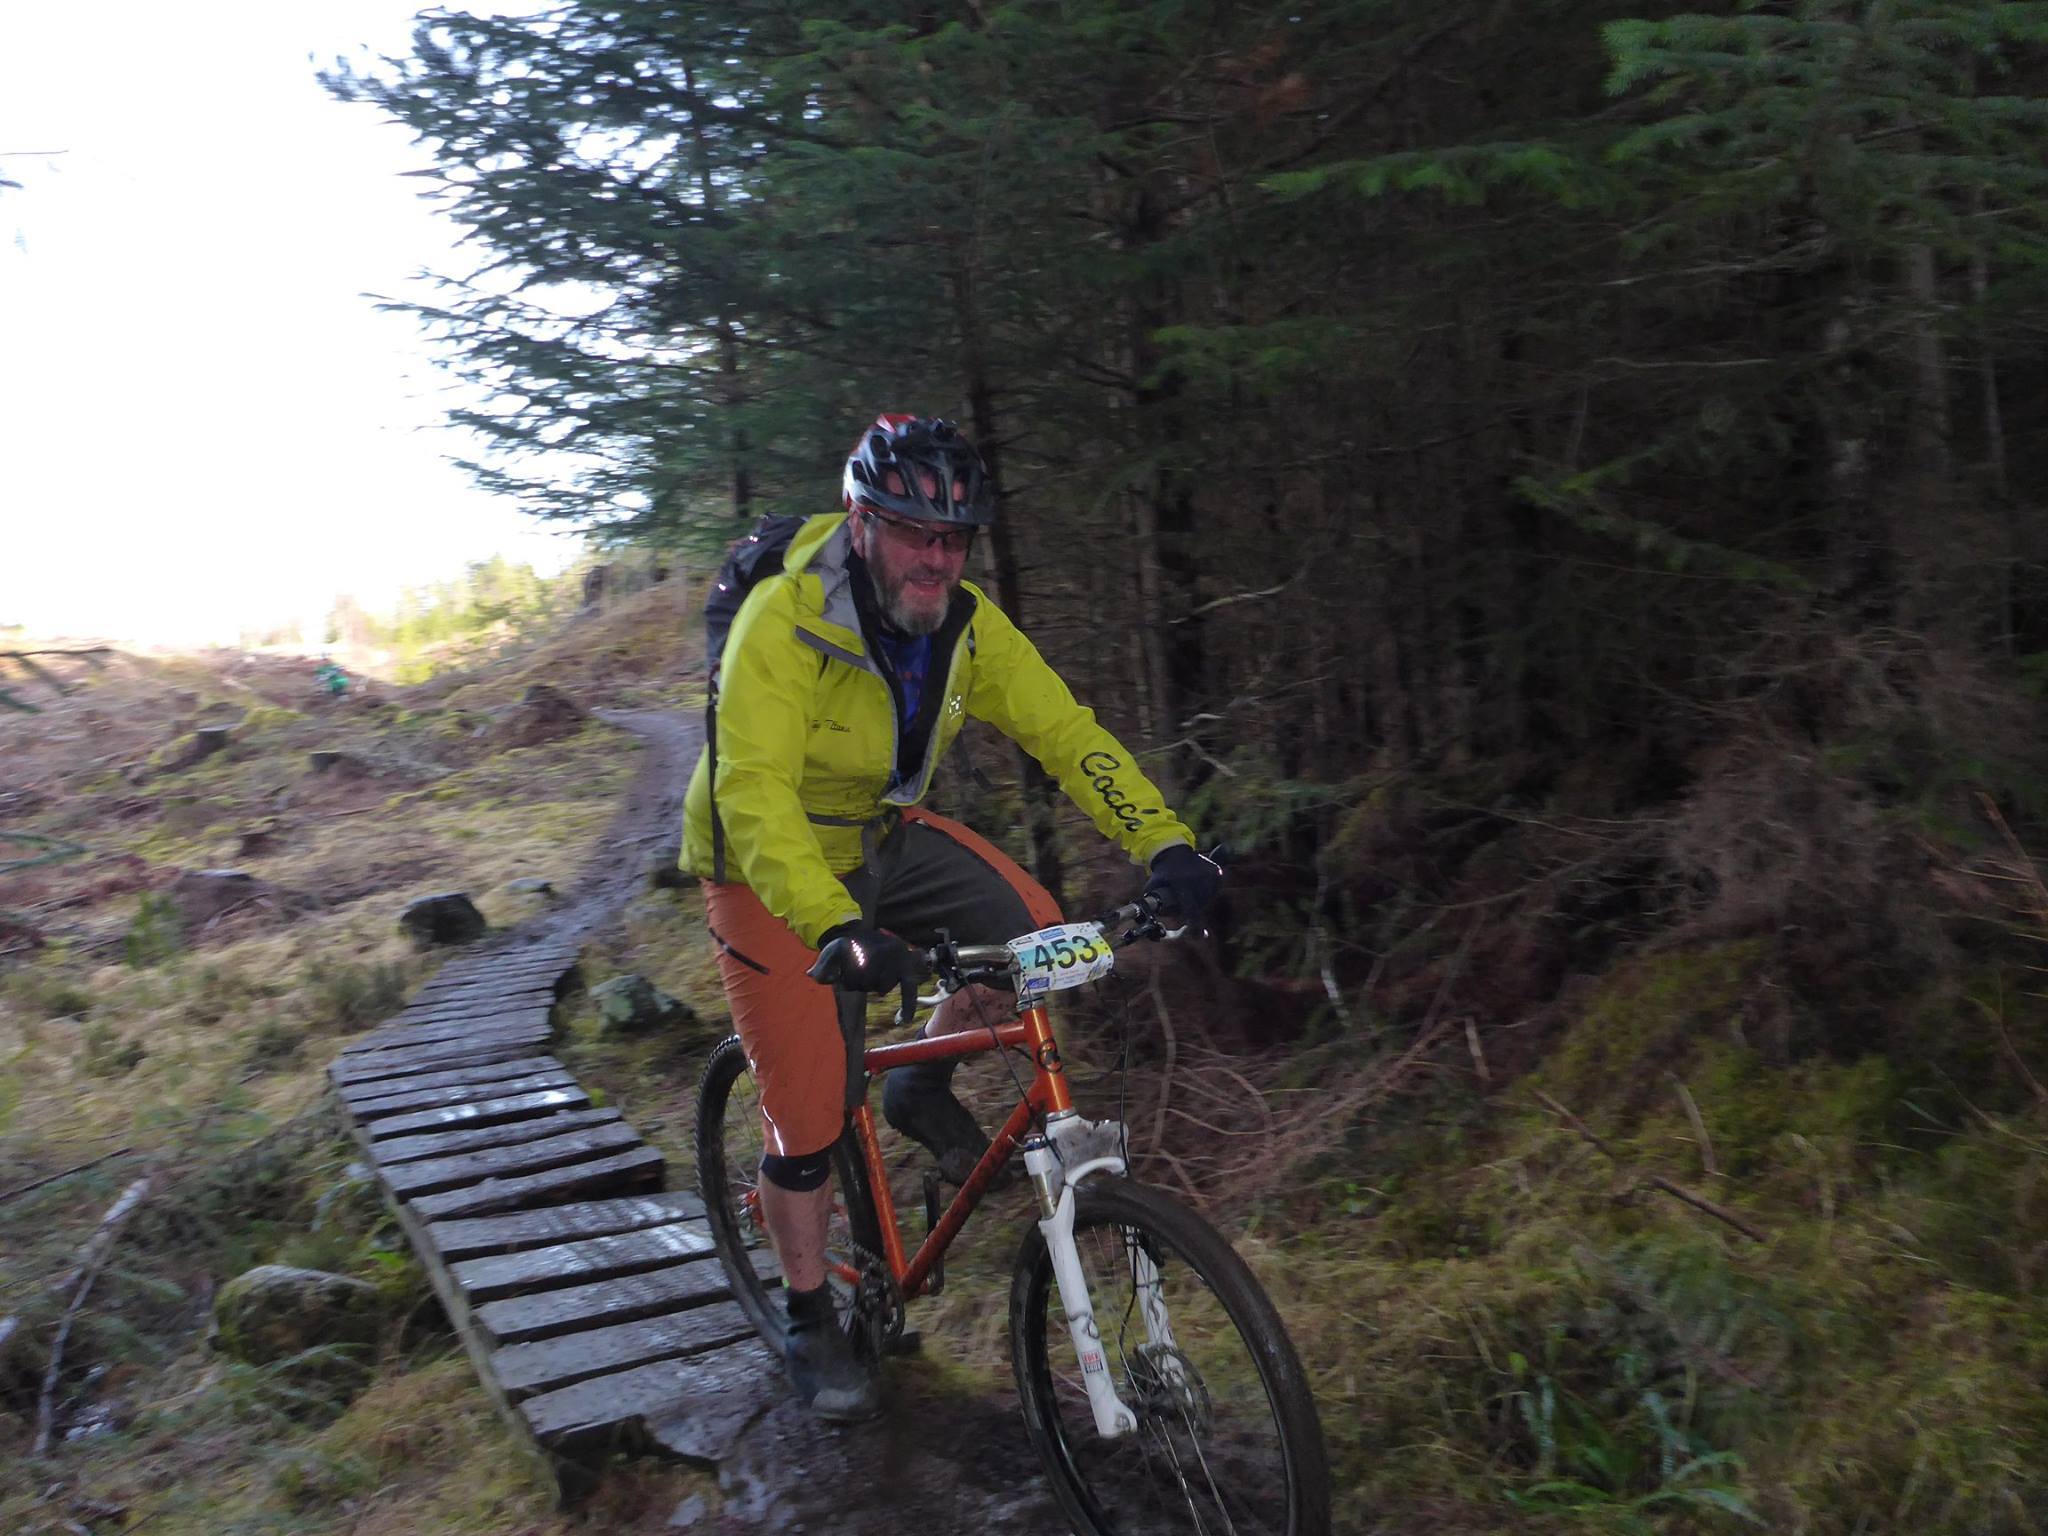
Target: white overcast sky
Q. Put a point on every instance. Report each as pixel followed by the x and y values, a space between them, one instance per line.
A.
pixel 204 425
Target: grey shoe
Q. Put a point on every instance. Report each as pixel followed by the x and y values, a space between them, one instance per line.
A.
pixel 830 1377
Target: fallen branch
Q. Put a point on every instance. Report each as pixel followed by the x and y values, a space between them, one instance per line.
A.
pixel 1478 1054
pixel 92 1259
pixel 51 1178
pixel 1676 1191
pixel 1699 1124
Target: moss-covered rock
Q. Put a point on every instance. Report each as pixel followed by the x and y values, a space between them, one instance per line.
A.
pixel 275 1312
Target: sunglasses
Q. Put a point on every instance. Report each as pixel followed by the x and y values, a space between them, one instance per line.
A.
pixel 915 538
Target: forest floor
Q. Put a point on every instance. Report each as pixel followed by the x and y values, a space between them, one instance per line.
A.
pixel 1643 1257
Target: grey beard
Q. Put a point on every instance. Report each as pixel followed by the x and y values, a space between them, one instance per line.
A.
pixel 906 623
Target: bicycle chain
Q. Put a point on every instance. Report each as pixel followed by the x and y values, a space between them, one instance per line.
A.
pixel 878 1304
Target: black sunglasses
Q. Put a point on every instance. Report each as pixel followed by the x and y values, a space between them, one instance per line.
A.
pixel 916 537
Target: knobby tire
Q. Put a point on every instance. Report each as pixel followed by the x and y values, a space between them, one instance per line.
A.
pixel 1167 1477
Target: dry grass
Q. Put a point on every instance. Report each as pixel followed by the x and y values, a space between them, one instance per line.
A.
pixel 199 1053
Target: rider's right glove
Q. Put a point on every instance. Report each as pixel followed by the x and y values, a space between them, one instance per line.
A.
pixel 864 958
pixel 1183 882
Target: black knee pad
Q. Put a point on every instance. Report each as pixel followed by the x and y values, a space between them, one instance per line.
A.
pixel 798 1175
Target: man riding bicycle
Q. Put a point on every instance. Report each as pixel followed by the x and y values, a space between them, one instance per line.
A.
pixel 842 683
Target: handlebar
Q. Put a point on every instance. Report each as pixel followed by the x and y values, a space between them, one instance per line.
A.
pixel 965 965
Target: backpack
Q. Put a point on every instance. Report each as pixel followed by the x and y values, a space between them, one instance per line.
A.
pixel 749 562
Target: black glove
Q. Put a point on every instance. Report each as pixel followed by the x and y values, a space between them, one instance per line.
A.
pixel 1183 882
pixel 864 958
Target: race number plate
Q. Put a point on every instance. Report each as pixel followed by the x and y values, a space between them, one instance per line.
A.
pixel 1053 959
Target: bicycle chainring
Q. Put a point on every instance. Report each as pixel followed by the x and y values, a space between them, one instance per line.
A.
pixel 877 1304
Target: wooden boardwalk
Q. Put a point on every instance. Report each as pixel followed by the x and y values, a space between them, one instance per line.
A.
pixel 577 1282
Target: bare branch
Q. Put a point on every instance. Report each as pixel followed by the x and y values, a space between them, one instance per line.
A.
pixel 1676 1191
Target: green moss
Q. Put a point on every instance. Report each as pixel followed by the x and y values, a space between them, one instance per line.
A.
pixel 1647 1020
pixel 267 717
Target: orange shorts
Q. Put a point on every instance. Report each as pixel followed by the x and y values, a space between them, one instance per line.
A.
pixel 803 1040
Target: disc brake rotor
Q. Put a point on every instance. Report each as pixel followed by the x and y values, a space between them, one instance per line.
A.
pixel 1165 1384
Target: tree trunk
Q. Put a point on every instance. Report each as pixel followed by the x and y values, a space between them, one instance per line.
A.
pixel 1039 788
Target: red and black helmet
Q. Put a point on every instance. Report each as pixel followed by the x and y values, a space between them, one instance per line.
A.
pixel 921 467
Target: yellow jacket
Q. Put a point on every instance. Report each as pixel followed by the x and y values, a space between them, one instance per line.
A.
pixel 807 735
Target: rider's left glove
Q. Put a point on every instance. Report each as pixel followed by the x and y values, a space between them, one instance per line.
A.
pixel 1183 883
pixel 863 958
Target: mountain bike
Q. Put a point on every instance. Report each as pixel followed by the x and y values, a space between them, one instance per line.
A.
pixel 1159 1387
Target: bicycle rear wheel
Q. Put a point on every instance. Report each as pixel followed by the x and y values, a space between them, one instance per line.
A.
pixel 729 1146
pixel 1227 1438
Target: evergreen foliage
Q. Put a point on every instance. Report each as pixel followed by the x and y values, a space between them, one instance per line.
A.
pixel 1569 466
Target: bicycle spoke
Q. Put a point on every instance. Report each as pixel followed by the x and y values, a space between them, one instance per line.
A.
pixel 1207 1457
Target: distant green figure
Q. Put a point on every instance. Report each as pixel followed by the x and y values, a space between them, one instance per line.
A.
pixel 332 678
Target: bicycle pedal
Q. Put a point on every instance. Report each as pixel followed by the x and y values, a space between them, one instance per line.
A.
pixel 909 1342
pixel 936 1281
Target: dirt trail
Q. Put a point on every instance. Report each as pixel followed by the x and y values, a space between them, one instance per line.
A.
pixel 646 824
pixel 938 1460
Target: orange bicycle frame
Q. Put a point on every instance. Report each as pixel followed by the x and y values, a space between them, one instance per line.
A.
pixel 1030 1031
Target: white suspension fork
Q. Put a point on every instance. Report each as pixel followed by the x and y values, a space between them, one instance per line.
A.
pixel 1056 1207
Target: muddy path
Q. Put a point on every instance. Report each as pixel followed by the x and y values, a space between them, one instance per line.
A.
pixel 642 831
pixel 939 1460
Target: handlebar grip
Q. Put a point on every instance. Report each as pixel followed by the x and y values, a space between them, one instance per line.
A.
pixel 830 964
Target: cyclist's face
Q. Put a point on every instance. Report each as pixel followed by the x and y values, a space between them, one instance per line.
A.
pixel 915 572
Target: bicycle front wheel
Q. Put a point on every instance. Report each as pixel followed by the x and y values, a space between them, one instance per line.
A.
pixel 729 1144
pixel 1227 1440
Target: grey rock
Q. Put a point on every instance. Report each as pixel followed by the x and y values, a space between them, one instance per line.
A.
pixel 449 918
pixel 633 1005
pixel 274 1312
pixel 531 885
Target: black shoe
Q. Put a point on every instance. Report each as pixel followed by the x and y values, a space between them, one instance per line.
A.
pixel 918 1101
pixel 830 1378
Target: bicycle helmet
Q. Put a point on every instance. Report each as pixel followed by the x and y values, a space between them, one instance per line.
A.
pixel 921 467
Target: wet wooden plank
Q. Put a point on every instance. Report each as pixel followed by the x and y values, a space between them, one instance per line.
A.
pixel 406 1034
pixel 479 1235
pixel 604 1175
pixel 436 1054
pixel 447 1052
pixel 371 1110
pixel 546 1365
pixel 593 1258
pixel 471 999
pixel 518 1106
pixel 632 1298
pixel 698 1414
pixel 346 1074
pixel 505 980
pixel 432 1175
pixel 528 994
pixel 449 1077
pixel 412 1020
pixel 411 1149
